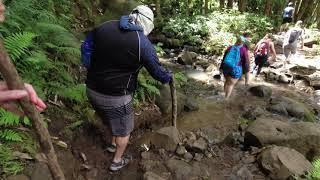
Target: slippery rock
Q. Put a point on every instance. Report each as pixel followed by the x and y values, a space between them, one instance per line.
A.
pixel 18 177
pixel 188 156
pixel 181 150
pixel 200 145
pixel 261 91
pixel 41 172
pixel 151 176
pixel 164 100
pixel 282 162
pixel 187 58
pixel 301 136
pixel 252 112
pixel 244 174
pixel 182 170
pixel 287 106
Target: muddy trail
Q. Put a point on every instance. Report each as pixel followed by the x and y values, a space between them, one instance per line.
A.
pixel 210 141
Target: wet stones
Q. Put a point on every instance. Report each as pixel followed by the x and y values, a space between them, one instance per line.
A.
pixel 261 91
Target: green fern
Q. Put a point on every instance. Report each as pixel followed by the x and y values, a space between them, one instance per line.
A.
pixel 11 135
pixel 8 119
pixel 76 93
pixel 17 44
pixel 314 174
pixel 7 163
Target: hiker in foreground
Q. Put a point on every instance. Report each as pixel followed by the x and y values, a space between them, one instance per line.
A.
pixel 290 43
pixel 121 48
pixel 231 66
pixel 262 51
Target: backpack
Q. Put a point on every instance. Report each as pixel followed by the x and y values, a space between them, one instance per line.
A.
pixel 262 49
pixel 232 57
pixel 86 50
pixel 288 12
pixel 294 35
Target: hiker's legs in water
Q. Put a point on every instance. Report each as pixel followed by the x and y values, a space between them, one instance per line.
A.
pixel 286 52
pixel 228 86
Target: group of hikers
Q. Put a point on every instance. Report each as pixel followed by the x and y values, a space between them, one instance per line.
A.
pixel 115 51
pixel 236 60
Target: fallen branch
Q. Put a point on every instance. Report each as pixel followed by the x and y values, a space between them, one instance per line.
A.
pixel 13 81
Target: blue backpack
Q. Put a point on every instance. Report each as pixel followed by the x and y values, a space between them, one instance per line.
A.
pixel 232 57
pixel 86 50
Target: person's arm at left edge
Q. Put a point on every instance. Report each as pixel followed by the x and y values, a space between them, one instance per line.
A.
pixel 151 62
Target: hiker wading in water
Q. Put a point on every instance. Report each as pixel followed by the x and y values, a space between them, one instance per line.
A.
pixel 234 59
pixel 121 48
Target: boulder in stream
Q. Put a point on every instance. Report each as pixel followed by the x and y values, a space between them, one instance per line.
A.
pixel 301 136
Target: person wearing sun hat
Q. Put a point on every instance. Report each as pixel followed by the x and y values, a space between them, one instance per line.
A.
pixel 121 48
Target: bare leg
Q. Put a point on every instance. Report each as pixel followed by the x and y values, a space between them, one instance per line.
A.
pixel 121 143
pixel 113 141
pixel 247 78
pixel 230 82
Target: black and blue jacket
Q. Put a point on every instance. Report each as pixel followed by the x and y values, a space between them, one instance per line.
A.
pixel 119 52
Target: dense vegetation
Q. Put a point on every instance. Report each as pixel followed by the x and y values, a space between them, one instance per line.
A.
pixel 42 38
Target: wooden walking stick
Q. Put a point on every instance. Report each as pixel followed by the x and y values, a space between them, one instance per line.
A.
pixel 13 81
pixel 174 102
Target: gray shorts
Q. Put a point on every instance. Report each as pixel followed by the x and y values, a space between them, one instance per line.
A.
pixel 289 48
pixel 115 111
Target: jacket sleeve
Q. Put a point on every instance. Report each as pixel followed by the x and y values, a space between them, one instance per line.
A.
pixel 151 62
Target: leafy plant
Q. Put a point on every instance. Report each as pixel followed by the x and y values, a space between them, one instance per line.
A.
pixel 7 163
pixel 18 43
pixel 75 93
pixel 10 135
pixel 314 174
pixel 180 79
pixel 147 88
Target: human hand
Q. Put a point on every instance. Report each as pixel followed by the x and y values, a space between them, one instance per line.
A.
pixel 8 97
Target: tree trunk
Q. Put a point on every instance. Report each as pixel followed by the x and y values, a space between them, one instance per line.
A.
pixel 187 7
pixel 158 9
pixel 267 8
pixel 13 81
pixel 206 6
pixel 302 8
pixel 222 4
pixel 242 5
pixel 230 4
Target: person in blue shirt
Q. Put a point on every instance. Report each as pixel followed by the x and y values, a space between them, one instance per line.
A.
pixel 121 48
pixel 288 13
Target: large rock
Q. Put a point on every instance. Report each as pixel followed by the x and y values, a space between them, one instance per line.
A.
pixel 166 138
pixel 191 104
pixel 301 136
pixel 261 91
pixel 187 58
pixel 152 176
pixel 282 162
pixel 164 101
pixel 41 172
pixel 182 170
pixel 18 177
pixel 287 106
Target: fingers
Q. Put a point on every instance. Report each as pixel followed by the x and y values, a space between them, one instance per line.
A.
pixel 12 95
pixel 40 105
pixel 32 93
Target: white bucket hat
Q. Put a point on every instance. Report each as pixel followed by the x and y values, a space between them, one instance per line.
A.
pixel 143 16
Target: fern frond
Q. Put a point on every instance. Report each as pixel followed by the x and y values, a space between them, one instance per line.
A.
pixel 11 135
pixel 17 44
pixel 8 119
pixel 315 172
pixel 76 93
